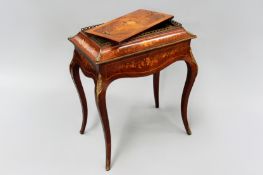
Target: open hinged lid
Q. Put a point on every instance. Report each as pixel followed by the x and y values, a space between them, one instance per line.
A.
pixel 129 25
pixel 100 49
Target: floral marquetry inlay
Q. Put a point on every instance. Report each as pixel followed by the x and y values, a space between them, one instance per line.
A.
pixel 147 63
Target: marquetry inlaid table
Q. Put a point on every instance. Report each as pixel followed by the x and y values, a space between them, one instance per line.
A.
pixel 145 53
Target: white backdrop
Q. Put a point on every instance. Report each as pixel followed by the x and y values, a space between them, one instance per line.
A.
pixel 40 113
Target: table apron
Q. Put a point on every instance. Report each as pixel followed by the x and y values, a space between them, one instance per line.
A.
pixel 146 63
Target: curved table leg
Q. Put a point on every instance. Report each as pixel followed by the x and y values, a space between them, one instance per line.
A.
pixel 192 70
pixel 156 77
pixel 74 71
pixel 100 96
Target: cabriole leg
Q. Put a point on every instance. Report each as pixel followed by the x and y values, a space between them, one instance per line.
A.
pixel 156 77
pixel 74 71
pixel 192 70
pixel 100 95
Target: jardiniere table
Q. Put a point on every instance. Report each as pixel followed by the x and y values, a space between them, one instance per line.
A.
pixel 145 54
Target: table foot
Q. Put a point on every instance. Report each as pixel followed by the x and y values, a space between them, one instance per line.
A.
pixel 107 165
pixel 189 132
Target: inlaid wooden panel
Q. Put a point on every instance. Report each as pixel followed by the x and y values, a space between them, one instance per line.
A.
pixel 129 25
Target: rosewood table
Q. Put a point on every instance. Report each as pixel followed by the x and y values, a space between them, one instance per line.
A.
pixel 145 54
